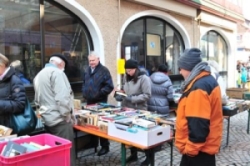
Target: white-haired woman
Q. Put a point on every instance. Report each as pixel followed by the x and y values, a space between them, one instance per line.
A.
pixel 215 68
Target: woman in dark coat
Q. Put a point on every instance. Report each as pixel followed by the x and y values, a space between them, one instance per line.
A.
pixel 12 96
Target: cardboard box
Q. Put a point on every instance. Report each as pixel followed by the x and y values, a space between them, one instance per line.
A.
pixel 142 137
pixel 236 93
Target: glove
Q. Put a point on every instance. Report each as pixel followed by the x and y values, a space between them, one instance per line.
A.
pixel 128 98
pixel 118 98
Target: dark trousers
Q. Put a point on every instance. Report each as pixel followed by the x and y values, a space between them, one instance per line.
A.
pixel 104 142
pixel 64 130
pixel 202 158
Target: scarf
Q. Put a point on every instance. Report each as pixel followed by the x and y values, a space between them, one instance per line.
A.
pixel 202 66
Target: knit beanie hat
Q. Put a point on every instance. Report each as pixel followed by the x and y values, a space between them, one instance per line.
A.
pixel 131 64
pixel 189 59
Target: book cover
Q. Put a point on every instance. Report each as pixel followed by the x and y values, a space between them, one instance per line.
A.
pixel 143 123
pixel 120 93
pixel 38 145
pixel 13 149
pixel 30 148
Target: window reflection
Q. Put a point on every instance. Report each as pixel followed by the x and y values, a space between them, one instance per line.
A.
pixel 20 36
pixel 214 47
pixel 152 42
pixel 20 33
pixel 66 35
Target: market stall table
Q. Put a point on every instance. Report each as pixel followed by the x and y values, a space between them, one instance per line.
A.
pixel 94 131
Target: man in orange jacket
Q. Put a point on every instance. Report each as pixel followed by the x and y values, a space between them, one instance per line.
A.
pixel 199 120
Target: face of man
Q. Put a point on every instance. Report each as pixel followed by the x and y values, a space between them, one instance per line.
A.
pixel 93 61
pixel 184 73
pixel 61 66
pixel 2 68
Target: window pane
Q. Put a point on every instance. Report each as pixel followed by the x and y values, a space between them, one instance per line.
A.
pixel 215 48
pixel 154 47
pixel 132 41
pixel 67 35
pixel 174 47
pixel 20 34
pixel 152 42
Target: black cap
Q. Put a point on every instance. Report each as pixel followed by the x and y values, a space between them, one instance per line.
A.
pixel 131 64
pixel 62 57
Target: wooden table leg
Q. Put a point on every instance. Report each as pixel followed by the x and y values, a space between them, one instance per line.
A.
pixel 228 130
pixel 152 156
pixel 248 121
pixel 171 152
pixel 123 152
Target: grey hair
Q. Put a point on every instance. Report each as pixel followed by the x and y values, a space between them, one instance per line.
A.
pixel 93 53
pixel 17 64
pixel 214 64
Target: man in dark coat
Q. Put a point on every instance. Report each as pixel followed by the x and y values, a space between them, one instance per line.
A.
pixel 97 85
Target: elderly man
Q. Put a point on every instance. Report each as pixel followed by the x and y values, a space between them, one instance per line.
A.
pixel 97 85
pixel 54 97
pixel 199 115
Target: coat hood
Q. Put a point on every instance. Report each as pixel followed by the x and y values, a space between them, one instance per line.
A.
pixel 159 78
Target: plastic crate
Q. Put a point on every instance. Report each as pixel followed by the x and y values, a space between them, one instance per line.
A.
pixel 58 154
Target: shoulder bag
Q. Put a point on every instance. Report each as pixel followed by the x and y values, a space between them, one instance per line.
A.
pixel 25 122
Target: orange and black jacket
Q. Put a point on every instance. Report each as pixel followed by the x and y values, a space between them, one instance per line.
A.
pixel 199 120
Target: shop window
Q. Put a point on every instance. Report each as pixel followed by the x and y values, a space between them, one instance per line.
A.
pixel 63 32
pixel 66 34
pixel 214 47
pixel 152 42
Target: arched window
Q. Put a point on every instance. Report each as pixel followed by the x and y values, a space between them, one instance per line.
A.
pixel 26 37
pixel 214 47
pixel 152 41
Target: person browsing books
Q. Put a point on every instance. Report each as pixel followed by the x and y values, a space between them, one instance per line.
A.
pixel 162 91
pixel 199 122
pixel 97 85
pixel 54 99
pixel 137 88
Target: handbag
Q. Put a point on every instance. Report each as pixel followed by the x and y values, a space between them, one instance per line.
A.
pixel 25 122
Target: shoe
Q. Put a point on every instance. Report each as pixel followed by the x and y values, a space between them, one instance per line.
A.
pixel 103 151
pixel 146 162
pixel 132 158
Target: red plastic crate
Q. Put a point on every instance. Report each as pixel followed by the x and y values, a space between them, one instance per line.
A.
pixel 57 155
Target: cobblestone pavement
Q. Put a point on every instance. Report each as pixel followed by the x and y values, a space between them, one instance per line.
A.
pixel 237 153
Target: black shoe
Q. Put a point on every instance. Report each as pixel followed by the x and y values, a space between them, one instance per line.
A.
pixel 132 158
pixel 146 162
pixel 103 151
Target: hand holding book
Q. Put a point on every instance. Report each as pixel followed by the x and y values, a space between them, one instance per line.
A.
pixel 119 96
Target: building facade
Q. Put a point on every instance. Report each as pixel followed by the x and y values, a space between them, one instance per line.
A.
pixel 151 31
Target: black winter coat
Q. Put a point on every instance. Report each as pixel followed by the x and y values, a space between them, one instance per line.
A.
pixel 97 85
pixel 12 96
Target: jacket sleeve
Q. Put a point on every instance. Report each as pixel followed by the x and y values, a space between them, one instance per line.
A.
pixel 107 83
pixel 146 91
pixel 197 112
pixel 170 91
pixel 62 92
pixel 16 104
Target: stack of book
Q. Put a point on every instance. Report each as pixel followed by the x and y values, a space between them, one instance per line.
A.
pixel 12 149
